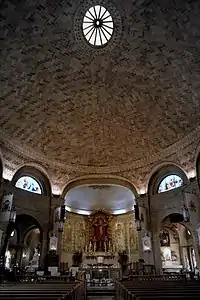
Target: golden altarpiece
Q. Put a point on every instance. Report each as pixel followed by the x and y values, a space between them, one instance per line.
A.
pixel 99 235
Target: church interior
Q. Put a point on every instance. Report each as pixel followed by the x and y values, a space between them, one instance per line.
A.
pixel 99 149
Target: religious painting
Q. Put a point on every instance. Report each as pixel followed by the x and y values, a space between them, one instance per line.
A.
pixel 57 214
pixel 53 243
pixel 99 229
pixel 164 239
pixel 6 207
pixel 7 201
pixel 146 243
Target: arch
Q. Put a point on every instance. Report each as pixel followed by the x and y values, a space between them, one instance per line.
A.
pixel 179 216
pixel 13 227
pixel 25 223
pixel 29 231
pixel 96 179
pixel 161 172
pixel 183 246
pixel 37 175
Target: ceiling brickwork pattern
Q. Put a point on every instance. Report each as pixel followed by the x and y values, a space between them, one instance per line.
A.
pixel 118 111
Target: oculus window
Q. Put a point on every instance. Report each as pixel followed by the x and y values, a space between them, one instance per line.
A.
pixel 97 25
pixel 170 182
pixel 29 184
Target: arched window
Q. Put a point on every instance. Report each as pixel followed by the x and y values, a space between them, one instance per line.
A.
pixel 170 182
pixel 29 184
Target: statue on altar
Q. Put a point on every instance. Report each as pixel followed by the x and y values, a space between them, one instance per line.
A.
pixel 100 232
pixel 99 226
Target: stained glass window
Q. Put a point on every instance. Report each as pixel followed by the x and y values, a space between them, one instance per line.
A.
pixel 170 182
pixel 29 184
pixel 97 25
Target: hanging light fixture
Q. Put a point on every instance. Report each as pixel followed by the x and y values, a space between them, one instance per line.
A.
pixel 62 213
pixel 185 210
pixel 60 226
pixel 137 218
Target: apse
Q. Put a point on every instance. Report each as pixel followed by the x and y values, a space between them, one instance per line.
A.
pixel 86 199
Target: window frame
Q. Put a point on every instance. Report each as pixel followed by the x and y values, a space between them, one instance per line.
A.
pixel 34 179
pixel 166 176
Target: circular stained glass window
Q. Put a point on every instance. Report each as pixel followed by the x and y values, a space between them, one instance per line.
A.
pixel 97 25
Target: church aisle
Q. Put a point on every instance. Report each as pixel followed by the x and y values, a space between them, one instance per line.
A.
pixel 101 298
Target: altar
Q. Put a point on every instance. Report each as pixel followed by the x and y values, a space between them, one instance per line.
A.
pixel 100 237
pixel 101 275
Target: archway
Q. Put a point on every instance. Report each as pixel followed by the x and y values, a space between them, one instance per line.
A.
pixel 102 221
pixel 31 249
pixel 11 246
pixel 30 239
pixel 167 171
pixel 176 245
pixel 32 176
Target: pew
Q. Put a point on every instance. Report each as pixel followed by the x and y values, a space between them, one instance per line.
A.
pixel 43 291
pixel 158 288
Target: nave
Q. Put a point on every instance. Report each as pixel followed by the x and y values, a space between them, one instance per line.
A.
pixel 100 298
pixel 175 287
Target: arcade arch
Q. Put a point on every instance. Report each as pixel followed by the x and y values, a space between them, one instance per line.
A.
pixel 33 180
pixel 166 172
pixel 177 244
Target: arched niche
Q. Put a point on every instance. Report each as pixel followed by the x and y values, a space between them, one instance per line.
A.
pixel 31 175
pixel 90 190
pixel 25 223
pixel 11 241
pixel 31 235
pixel 177 244
pixel 166 172
pixel 99 180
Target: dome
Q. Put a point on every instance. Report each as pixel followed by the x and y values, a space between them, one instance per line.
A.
pixel 72 106
pixel 113 199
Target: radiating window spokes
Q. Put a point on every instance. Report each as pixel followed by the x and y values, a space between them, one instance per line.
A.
pixel 97 25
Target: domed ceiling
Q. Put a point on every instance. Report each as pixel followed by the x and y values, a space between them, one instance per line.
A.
pixel 65 101
pixel 86 199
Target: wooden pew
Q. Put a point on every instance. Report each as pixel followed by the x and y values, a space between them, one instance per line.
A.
pixel 158 288
pixel 43 291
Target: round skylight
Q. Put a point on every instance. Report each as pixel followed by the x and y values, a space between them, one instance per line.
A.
pixel 97 25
